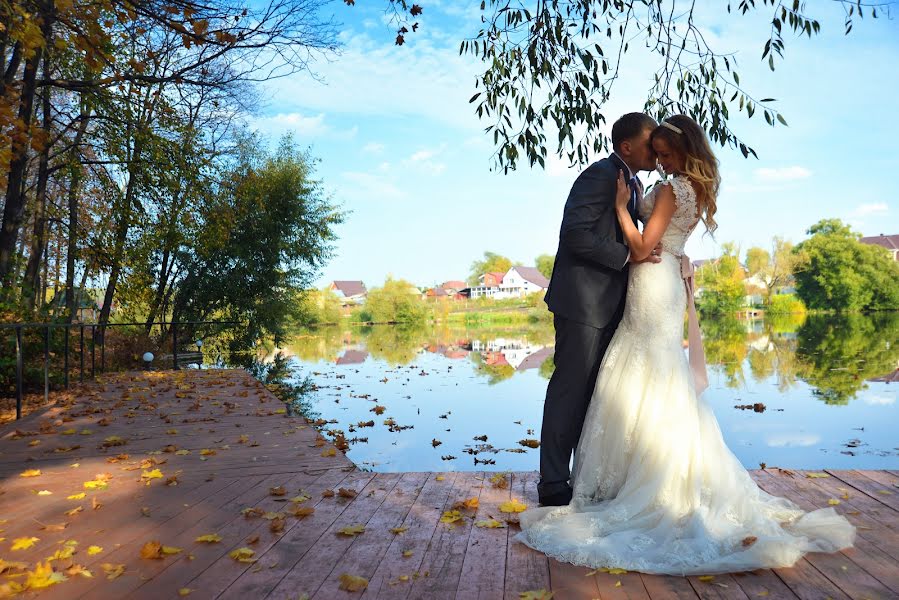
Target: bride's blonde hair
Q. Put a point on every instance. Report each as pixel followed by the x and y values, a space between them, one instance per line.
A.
pixel 686 137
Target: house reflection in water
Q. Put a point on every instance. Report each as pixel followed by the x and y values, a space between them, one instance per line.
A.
pixel 352 357
pixel 517 353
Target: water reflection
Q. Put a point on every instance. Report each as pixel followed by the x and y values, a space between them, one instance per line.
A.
pixel 835 355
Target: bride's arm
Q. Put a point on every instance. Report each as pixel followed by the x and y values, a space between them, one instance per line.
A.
pixel 642 244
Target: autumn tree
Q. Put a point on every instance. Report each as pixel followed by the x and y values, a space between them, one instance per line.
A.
pixel 491 263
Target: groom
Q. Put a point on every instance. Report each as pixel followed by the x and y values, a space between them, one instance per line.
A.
pixel 586 295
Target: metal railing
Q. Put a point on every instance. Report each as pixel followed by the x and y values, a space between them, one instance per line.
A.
pixel 47 327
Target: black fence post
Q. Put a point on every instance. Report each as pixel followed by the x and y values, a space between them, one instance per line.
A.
pixel 66 356
pixel 175 346
pixel 46 363
pixel 93 350
pixel 103 349
pixel 19 368
pixel 81 355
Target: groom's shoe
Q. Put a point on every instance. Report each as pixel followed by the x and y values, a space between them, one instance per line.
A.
pixel 558 499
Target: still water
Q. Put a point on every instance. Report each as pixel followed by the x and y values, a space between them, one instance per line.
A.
pixel 815 393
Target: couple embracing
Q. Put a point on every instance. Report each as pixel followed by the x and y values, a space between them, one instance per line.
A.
pixel 653 486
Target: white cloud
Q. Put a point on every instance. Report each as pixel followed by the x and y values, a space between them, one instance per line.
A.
pixel 373 148
pixel 874 208
pixel 368 186
pixel 875 400
pixel 421 155
pixel 785 440
pixel 782 173
pixel 422 161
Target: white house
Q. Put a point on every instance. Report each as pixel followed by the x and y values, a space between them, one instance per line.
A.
pixel 349 292
pixel 518 282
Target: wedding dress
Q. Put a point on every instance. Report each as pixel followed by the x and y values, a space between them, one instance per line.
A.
pixel 655 487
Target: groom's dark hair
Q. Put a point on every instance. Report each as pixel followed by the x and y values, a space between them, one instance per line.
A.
pixel 629 126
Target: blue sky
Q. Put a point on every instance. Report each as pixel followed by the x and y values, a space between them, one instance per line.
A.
pixel 403 152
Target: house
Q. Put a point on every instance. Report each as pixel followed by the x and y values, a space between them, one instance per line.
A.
pixel 349 292
pixel 454 287
pixel 890 242
pixel 488 286
pixel 518 282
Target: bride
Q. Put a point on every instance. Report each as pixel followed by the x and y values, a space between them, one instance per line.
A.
pixel 655 487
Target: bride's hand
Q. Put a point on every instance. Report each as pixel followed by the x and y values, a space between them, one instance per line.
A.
pixel 623 194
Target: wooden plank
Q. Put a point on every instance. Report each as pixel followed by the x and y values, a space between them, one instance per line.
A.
pixel 421 522
pixel 441 566
pixel 235 529
pixel 763 583
pixel 366 552
pixel 307 575
pixel 484 567
pixel 570 582
pixel 526 569
pixel 872 488
pixel 621 587
pixel 668 587
pixel 722 587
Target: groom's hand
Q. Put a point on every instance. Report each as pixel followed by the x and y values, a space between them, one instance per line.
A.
pixel 654 257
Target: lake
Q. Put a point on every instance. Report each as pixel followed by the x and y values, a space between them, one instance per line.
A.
pixel 797 392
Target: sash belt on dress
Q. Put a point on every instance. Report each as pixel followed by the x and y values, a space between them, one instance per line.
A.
pixel 697 354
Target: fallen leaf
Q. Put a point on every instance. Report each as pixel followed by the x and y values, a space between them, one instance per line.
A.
pixel 833 501
pixel 329 452
pixel 440 478
pixel 749 540
pixel 541 594
pixel 23 543
pixel 30 473
pixel 512 507
pixel 112 571
pixel 77 496
pixel 451 516
pixel 706 578
pixel 209 538
pixel 74 511
pixel 408 553
pixel 184 591
pixel 352 530
pixel 347 493
pixel 499 481
pixel 91 550
pixel 79 570
pixel 278 491
pixel 469 504
pixel 301 512
pixel 244 555
pixel 490 524
pixel 398 530
pixel 45 493
pixel 816 475
pixel 43 576
pixel 352 583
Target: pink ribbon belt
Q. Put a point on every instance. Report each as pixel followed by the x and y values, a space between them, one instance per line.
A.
pixel 697 355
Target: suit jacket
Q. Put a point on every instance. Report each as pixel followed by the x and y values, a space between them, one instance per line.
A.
pixel 589 277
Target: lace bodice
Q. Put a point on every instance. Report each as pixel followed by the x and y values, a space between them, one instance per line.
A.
pixel 684 219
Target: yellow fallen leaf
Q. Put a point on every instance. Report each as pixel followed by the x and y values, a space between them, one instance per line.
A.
pixel 209 538
pixel 79 570
pixel 30 473
pixel 23 543
pixel 706 578
pixel 408 553
pixel 64 553
pixel 833 501
pixel 11 566
pixel 541 594
pixel 74 511
pixel 182 452
pixel 91 550
pixel 45 493
pixel 68 432
pixel 398 530
pixel 352 583
pixel 184 591
pixel 244 555
pixel 329 452
pixel 440 478
pixel 816 475
pixel 885 492
pixel 85 432
pixel 490 524
pixel 278 491
pixel 34 443
pixel 470 504
pixel 280 411
pixel 172 432
pixel 43 576
pixel 499 481
pixel 301 498
pixel 112 571
pixel 352 530
pixel 95 485
pixel 451 516
pixel 512 507
pixel 207 452
pixel 618 583
pixel 154 474
pixel 78 496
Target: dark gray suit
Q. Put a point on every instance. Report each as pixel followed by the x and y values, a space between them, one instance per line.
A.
pixel 586 296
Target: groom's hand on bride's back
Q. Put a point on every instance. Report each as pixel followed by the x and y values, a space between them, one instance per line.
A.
pixel 654 257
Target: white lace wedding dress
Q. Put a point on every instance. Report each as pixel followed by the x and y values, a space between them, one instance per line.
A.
pixel 655 487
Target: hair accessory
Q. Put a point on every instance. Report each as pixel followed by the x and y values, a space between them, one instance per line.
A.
pixel 673 128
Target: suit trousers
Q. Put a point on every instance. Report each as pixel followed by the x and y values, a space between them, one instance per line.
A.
pixel 578 354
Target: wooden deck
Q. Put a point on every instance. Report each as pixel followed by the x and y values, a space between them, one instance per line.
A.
pixel 221 444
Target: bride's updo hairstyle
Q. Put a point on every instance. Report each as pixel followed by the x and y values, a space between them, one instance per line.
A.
pixel 686 137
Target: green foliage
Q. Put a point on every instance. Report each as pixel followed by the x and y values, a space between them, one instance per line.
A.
pixel 724 342
pixel 262 240
pixel 785 304
pixel 318 307
pixel 491 263
pixel 545 264
pixel 721 282
pixel 757 259
pixel 836 354
pixel 397 301
pixel 837 272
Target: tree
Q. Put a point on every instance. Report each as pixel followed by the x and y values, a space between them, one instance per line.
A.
pixel 837 272
pixel 774 268
pixel 721 282
pixel 757 260
pixel 552 66
pixel 545 263
pixel 397 301
pixel 491 263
